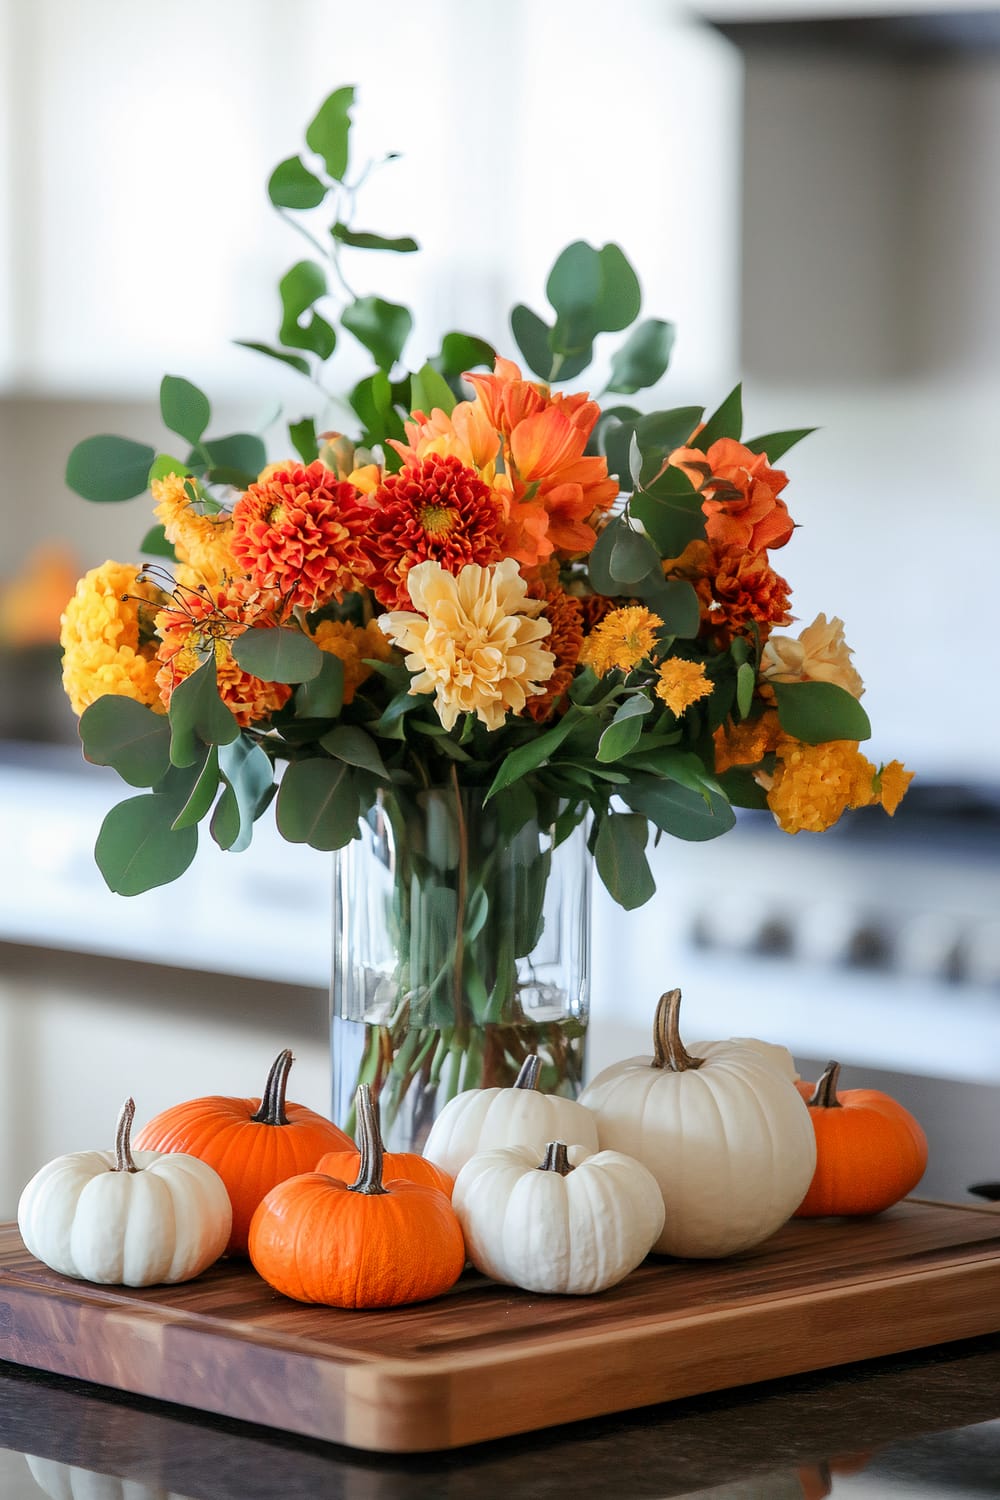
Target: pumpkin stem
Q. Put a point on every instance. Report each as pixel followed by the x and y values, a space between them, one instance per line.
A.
pixel 369 1178
pixel 668 1049
pixel 272 1104
pixel 556 1159
pixel 527 1078
pixel 825 1093
pixel 123 1143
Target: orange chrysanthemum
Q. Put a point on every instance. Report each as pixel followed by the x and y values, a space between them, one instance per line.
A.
pixel 299 532
pixel 745 588
pixel 679 683
pixel 739 491
pixel 107 637
pixel 355 645
pixel 208 620
pixel 435 509
pixel 623 639
pixel 565 641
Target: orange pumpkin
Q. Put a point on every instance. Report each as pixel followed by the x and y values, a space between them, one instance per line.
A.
pixel 404 1166
pixel 870 1151
pixel 253 1144
pixel 319 1239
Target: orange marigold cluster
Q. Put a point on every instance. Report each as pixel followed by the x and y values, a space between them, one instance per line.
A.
pixel 355 645
pixel 299 532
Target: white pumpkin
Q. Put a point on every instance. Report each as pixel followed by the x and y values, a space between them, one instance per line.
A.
pixel 124 1219
pixel 722 1128
pixel 483 1119
pixel 557 1220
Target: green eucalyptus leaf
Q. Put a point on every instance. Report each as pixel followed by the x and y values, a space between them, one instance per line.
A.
pixel 138 849
pixel 295 360
pixel 632 558
pixel 775 445
pixel 534 339
pixel 382 327
pixel 202 793
pixel 303 439
pixel 361 239
pixel 242 453
pixel 620 855
pixel 127 735
pixel 328 132
pixel 660 432
pixel 746 681
pixel 678 809
pixel 602 580
pixel 461 352
pixel 815 712
pixel 277 654
pixel 643 358
pixel 352 744
pixel 674 600
pixel 299 289
pixel 155 544
pixel 574 289
pixel 726 422
pixel 620 296
pixel 371 398
pixel 108 468
pixel 741 789
pixel 622 734
pixel 534 753
pixel 184 408
pixel 248 776
pixel 198 717
pixel 671 516
pixel 322 696
pixel 318 803
pixel 292 185
pixel 429 389
pixel 163 466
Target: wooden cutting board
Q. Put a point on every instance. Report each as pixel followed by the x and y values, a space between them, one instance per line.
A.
pixel 488 1361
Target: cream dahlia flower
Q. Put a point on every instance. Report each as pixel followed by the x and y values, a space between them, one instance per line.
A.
pixel 474 642
pixel 819 655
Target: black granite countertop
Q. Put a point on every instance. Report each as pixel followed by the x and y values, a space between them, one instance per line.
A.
pixel 925 1424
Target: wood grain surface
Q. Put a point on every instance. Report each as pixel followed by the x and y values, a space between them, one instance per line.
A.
pixel 488 1361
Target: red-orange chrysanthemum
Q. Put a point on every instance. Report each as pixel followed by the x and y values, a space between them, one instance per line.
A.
pixel 205 620
pixel 435 509
pixel 564 613
pixel 745 588
pixel 299 532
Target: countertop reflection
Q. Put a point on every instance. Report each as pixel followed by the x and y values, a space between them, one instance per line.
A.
pixel 926 1424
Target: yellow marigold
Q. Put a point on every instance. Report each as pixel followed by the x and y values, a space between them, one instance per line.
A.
pixel 623 639
pixel 680 683
pixel 813 784
pixel 820 654
pixel 107 638
pixel 352 644
pixel 475 642
pixel 201 540
pixel 891 784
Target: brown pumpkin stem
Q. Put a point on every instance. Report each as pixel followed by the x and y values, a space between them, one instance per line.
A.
pixel 527 1077
pixel 825 1093
pixel 123 1142
pixel 369 1178
pixel 668 1049
pixel 556 1159
pixel 272 1104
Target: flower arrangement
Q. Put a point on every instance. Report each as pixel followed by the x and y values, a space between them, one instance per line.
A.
pixel 496 584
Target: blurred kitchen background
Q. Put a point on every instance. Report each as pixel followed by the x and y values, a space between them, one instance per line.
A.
pixel 810 192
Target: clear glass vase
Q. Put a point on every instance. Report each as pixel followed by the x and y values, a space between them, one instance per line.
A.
pixel 461 947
